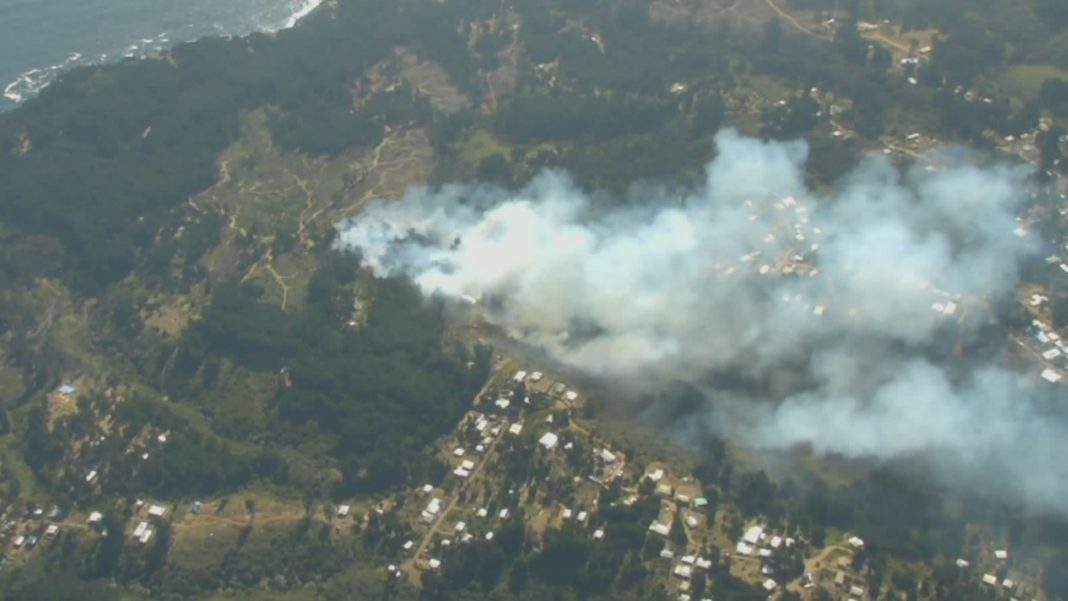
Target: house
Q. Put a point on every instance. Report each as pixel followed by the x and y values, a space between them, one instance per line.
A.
pixel 489 535
pixel 744 548
pixel 598 534
pixel 536 376
pixel 434 563
pixel 90 476
pixel 515 429
pixel 95 517
pixel 1001 554
pixel 549 441
pixel 502 403
pixel 460 526
pixel 753 535
pixel 856 591
pixel 461 472
pixel 856 542
pixel 582 515
pixel 519 376
pixel 661 529
pixel 990 579
pixel 683 571
pixel 467 464
pixel 961 563
pixel 458 452
pixel 703 563
pixel 19 540
pixel 408 545
pixel 504 513
pixel 432 509
pixel 776 542
pixel 140 529
pixel 343 511
pixel 571 395
pixel 667 554
pixel 770 585
pixel 608 456
pixel 52 530
pixel 1051 376
pixel 67 390
pixel 482 512
pixel 656 475
pixel 157 511
pixel 146 536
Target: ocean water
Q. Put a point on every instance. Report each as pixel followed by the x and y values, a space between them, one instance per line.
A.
pixel 39 39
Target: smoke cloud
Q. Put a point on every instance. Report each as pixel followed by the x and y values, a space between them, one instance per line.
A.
pixel 866 295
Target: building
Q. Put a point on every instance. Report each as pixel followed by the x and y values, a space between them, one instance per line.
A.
pixel 157 511
pixel 753 535
pixel 661 529
pixel 343 511
pixel 549 441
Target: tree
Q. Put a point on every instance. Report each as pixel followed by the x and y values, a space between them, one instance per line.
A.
pixel 772 40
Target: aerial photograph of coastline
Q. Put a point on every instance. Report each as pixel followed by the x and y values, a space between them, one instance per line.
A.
pixel 550 300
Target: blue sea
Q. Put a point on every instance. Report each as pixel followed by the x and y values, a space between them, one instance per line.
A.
pixel 39 39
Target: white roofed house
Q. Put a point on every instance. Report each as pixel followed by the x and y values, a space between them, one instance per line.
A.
pixel 549 441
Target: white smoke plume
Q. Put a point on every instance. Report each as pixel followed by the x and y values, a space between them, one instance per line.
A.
pixel 751 272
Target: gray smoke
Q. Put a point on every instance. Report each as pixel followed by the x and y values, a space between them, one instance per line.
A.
pixel 751 273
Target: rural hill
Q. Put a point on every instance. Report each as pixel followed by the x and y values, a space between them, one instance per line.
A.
pixel 545 300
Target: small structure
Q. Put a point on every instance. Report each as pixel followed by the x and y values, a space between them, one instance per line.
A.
pixel 52 530
pixel 962 563
pixel 661 529
pixel 549 441
pixel 571 395
pixel 408 545
pixel 66 390
pixel 432 510
pixel 460 526
pixel 515 429
pixel 458 451
pixel 683 571
pixel 753 535
pixel 598 534
pixel 1001 554
pixel 95 517
pixel 519 376
pixel 434 563
pixel 744 548
pixel 468 465
pixel 157 511
pixel 90 476
pixel 502 403
pixel 770 585
pixel 667 554
pixel 990 579
pixel 1051 376
pixel 140 529
pixel 856 542
pixel 343 511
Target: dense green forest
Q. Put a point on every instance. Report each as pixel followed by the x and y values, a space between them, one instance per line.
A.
pixel 327 399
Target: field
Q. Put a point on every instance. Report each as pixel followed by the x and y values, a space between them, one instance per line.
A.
pixel 1025 81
